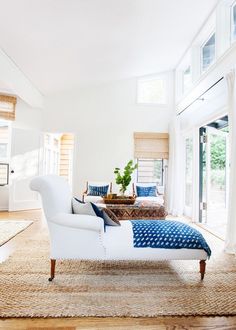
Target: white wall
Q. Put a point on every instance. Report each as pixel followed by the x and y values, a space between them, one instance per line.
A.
pixel 103 119
pixel 28 118
pixel 212 105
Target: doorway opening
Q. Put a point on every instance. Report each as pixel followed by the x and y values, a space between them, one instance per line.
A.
pixel 214 175
pixel 4 163
pixel 58 155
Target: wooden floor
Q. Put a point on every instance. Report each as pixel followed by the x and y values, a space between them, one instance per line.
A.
pixel 121 323
pixel 169 323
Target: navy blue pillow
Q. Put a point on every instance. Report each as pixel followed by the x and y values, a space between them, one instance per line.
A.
pixel 146 191
pixel 78 200
pixel 97 211
pixel 97 190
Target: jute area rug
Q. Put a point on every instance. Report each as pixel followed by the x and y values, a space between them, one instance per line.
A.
pixel 10 228
pixel 135 289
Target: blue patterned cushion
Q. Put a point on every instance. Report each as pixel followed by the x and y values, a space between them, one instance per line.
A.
pixel 167 234
pixel 146 191
pixel 97 190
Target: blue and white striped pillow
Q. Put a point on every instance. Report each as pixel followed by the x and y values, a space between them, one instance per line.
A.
pixel 97 190
pixel 146 191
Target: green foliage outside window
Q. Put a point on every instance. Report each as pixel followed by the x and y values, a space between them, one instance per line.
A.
pixel 218 153
pixel 218 161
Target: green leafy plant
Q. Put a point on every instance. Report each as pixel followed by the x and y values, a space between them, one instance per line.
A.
pixel 124 179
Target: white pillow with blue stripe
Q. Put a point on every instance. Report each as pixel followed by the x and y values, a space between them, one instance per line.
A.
pixel 97 190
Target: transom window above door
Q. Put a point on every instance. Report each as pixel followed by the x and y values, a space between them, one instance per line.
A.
pixel 187 78
pixel 208 52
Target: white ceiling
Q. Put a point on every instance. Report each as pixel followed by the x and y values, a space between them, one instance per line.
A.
pixel 61 44
pixel 4 88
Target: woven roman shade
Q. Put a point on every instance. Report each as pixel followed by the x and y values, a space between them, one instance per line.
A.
pixel 7 107
pixel 151 145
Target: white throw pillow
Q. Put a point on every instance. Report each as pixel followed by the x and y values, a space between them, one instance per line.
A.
pixel 82 208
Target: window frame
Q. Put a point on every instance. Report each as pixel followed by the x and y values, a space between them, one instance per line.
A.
pixel 3 159
pixel 7 175
pixel 186 169
pixel 184 88
pixel 232 39
pixel 162 77
pixel 153 181
pixel 6 123
pixel 51 154
pixel 201 52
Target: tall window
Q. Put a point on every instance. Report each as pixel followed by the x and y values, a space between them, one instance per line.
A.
pixel 51 153
pixel 187 78
pixel 4 142
pixel 233 23
pixel 4 153
pixel 208 52
pixel 151 90
pixel 188 171
pixel 3 150
pixel 150 170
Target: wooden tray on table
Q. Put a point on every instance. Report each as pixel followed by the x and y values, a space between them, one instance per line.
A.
pixel 120 200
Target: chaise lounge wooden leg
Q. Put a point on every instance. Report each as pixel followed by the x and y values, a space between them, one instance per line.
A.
pixel 53 264
pixel 202 268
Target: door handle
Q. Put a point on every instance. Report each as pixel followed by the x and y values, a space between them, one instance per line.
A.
pixel 12 171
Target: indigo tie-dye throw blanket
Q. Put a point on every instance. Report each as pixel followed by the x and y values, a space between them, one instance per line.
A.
pixel 167 234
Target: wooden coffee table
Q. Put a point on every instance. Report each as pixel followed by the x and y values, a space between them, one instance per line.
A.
pixel 153 211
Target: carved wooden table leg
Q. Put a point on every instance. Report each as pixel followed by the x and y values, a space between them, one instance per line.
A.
pixel 202 268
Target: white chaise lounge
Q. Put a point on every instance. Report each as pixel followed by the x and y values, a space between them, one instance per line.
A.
pixel 74 236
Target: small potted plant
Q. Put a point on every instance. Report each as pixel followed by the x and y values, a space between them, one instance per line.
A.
pixel 123 180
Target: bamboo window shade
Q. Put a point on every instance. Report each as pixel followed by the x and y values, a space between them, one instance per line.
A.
pixel 7 107
pixel 151 145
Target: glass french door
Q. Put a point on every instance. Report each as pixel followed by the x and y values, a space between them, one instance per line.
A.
pixel 214 166
pixel 188 176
